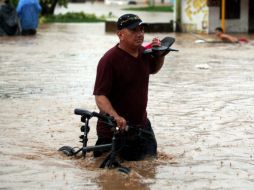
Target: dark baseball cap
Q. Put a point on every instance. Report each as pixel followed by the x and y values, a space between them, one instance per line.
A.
pixel 129 21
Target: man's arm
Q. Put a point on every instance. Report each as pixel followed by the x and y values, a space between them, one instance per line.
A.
pixel 229 38
pixel 159 61
pixel 105 106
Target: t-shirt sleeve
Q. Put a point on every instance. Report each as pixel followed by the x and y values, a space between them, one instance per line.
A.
pixel 103 82
pixel 152 63
pixel 150 60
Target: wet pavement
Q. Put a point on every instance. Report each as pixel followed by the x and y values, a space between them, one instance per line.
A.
pixel 200 105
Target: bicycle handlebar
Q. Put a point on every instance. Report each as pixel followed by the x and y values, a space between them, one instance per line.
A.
pixel 105 118
pixel 109 120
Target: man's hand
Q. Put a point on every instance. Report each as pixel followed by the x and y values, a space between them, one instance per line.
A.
pixel 105 106
pixel 121 122
pixel 156 42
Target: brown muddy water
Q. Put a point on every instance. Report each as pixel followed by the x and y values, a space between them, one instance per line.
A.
pixel 201 105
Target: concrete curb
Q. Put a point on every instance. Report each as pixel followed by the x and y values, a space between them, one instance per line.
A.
pixel 110 26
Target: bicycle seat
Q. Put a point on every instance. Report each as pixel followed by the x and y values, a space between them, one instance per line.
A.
pixel 83 112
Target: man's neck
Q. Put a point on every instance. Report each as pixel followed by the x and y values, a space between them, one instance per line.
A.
pixel 132 51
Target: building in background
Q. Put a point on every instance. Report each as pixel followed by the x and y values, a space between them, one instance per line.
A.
pixel 205 15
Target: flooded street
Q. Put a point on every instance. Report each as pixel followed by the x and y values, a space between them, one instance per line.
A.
pixel 201 105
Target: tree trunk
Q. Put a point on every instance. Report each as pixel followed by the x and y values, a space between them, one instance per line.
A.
pixel 48 9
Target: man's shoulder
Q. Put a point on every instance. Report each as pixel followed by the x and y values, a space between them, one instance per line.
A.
pixel 112 50
pixel 111 53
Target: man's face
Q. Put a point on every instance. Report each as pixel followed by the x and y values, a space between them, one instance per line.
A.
pixel 132 37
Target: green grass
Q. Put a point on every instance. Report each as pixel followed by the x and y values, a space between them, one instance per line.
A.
pixel 73 18
pixel 152 8
pixel 79 17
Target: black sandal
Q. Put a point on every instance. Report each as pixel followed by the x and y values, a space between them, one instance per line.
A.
pixel 163 49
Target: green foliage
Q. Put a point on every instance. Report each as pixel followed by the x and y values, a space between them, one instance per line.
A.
pixel 152 8
pixel 14 2
pixel 73 17
pixel 48 6
pixel 52 2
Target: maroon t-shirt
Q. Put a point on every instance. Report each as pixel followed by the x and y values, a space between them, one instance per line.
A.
pixel 124 79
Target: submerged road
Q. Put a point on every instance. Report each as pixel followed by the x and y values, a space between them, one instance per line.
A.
pixel 200 105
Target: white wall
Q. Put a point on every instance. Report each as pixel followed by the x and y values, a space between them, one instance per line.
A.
pixel 196 16
pixel 233 25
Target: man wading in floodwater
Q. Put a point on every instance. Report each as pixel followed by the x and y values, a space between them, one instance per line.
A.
pixel 228 38
pixel 121 88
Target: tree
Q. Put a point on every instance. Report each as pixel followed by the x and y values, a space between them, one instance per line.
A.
pixel 48 6
pixel 14 2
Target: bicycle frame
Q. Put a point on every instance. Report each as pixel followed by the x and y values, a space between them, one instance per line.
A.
pixel 110 161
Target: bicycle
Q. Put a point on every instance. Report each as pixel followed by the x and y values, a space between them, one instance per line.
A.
pixel 111 160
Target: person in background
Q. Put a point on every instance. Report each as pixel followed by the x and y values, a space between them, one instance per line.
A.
pixel 121 88
pixel 9 22
pixel 228 38
pixel 28 12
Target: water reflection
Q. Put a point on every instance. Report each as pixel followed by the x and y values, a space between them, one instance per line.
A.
pixel 201 116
